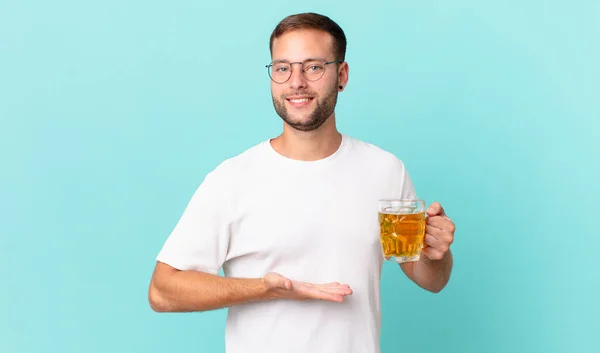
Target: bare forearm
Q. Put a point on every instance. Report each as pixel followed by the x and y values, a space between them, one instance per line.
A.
pixel 187 291
pixel 432 275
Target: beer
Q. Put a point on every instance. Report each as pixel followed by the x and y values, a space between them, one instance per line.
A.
pixel 401 232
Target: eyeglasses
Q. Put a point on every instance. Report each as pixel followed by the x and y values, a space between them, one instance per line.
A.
pixel 312 69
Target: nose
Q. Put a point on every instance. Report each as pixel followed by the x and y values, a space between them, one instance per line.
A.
pixel 297 79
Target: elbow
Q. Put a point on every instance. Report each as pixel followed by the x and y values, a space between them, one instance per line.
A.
pixel 156 300
pixel 436 288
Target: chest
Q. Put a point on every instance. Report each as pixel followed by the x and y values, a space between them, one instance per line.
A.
pixel 309 221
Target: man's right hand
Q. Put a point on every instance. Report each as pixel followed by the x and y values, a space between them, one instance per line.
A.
pixel 284 288
pixel 174 290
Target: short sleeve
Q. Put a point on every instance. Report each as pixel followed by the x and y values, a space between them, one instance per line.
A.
pixel 200 239
pixel 408 189
pixel 403 184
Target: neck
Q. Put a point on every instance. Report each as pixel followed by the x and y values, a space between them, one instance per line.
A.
pixel 308 145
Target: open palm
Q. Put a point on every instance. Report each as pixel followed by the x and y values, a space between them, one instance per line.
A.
pixel 285 288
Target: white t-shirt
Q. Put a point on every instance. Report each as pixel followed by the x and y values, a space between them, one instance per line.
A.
pixel 313 221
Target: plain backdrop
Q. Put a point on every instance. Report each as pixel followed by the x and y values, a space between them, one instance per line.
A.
pixel 112 113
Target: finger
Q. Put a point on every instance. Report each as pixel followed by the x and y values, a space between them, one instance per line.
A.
pixel 435 243
pixel 331 284
pixel 338 286
pixel 437 221
pixel 435 231
pixel 275 280
pixel 441 235
pixel 338 291
pixel 316 293
pixel 441 223
pixel 435 209
pixel 311 291
pixel 341 290
pixel 432 253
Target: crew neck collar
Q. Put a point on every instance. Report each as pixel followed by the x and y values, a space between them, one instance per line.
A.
pixel 344 145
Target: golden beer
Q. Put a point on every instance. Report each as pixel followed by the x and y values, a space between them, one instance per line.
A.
pixel 402 229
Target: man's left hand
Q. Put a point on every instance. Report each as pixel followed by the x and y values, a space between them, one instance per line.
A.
pixel 439 233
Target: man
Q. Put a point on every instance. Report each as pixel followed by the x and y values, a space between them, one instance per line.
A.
pixel 292 221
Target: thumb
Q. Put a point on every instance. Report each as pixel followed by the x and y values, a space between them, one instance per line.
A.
pixel 435 209
pixel 286 283
pixel 275 280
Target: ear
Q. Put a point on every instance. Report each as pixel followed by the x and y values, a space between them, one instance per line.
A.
pixel 343 75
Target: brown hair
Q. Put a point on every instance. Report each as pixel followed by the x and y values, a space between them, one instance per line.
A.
pixel 312 20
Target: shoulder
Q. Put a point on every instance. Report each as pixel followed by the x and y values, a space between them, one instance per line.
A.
pixel 376 155
pixel 234 169
pixel 388 168
pixel 226 178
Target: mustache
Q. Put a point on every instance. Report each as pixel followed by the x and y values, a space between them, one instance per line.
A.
pixel 299 93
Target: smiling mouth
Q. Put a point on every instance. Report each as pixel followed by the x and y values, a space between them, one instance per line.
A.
pixel 299 101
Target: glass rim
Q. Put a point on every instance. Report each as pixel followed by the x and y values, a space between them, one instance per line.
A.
pixel 394 206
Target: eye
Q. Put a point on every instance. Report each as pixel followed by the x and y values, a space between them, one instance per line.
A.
pixel 314 68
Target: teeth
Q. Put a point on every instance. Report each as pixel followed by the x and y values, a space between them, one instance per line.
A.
pixel 299 100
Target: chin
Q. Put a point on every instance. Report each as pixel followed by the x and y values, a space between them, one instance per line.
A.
pixel 305 120
pixel 305 124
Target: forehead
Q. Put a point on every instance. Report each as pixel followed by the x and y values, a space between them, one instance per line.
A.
pixel 299 45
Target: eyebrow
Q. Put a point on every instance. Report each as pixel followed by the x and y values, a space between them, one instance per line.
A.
pixel 308 59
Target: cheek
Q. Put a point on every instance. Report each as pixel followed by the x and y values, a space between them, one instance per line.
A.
pixel 279 89
pixel 321 88
pixel 276 91
pixel 327 90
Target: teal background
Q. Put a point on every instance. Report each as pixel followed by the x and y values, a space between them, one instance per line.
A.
pixel 112 113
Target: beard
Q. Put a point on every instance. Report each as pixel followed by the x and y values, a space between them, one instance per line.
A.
pixel 323 110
